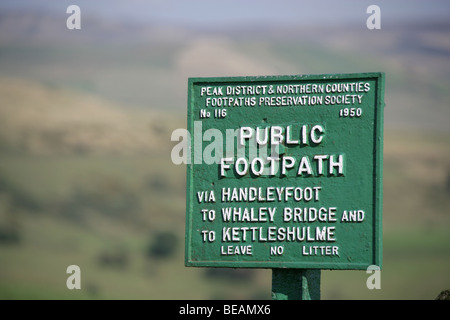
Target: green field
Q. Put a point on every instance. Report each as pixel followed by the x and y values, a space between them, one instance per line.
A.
pixel 104 213
pixel 86 176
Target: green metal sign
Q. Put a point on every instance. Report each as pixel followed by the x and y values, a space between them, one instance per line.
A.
pixel 285 171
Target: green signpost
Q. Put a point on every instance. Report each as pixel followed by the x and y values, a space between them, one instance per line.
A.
pixel 285 172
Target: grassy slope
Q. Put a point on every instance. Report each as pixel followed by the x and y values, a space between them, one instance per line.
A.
pixel 414 243
pixel 73 205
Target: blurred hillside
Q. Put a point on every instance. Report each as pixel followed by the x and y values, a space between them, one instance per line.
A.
pixel 147 65
pixel 39 119
pixel 85 171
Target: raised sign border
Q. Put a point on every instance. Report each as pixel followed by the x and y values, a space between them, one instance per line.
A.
pixel 379 77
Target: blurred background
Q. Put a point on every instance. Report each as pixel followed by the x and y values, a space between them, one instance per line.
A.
pixel 86 118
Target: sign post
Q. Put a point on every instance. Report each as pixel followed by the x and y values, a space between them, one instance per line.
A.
pixel 285 172
pixel 295 284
